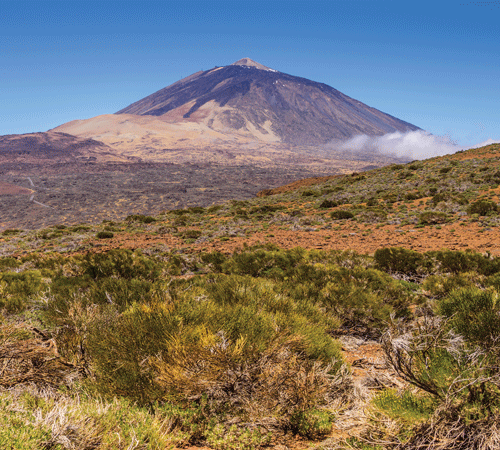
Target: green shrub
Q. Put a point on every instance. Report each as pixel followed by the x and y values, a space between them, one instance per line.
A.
pixel 269 262
pixel 458 370
pixel 440 197
pixel 397 166
pixel 457 261
pixel 265 209
pixel 8 262
pixel 474 314
pixel 310 193
pixel 433 217
pixel 482 207
pixel 77 228
pixel 11 232
pixel 214 208
pixel 312 424
pixel 104 235
pixel 328 204
pixel 121 263
pixel 196 210
pixel 215 259
pixel 140 218
pixel 372 216
pixel 340 214
pixel 402 261
pixel 439 286
pixel 202 341
pixel 17 290
pixel 191 234
pixel 413 196
pixel 405 405
pixel 363 297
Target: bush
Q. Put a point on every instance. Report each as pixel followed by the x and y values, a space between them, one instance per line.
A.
pixel 312 424
pixel 230 340
pixel 459 371
pixel 120 263
pixel 340 214
pixel 438 286
pixel 265 209
pixel 440 197
pixel 363 297
pixel 196 210
pixel 413 196
pixel 457 262
pixel 191 234
pixel 269 262
pixel 310 193
pixel 8 262
pixel 104 235
pixel 482 207
pixel 402 261
pixel 328 204
pixel 17 290
pixel 372 216
pixel 11 232
pixel 77 228
pixel 405 405
pixel 474 314
pixel 433 217
pixel 140 218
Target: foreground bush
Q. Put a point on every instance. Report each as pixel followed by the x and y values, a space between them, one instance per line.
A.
pixel 454 360
pixel 235 344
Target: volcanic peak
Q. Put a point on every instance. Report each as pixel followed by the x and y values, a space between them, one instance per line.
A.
pixel 247 62
pixel 251 99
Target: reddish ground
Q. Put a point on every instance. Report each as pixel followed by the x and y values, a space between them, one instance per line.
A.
pixel 11 189
pixel 362 238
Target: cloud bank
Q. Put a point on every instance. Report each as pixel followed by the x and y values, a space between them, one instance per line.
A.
pixel 412 145
pixel 487 142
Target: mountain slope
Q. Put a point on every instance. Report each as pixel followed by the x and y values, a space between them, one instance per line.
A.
pixel 247 97
pixel 52 147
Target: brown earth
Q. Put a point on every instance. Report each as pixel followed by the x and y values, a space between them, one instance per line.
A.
pixel 12 189
pixel 361 238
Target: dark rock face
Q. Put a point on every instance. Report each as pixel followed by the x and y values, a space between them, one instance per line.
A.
pixel 299 111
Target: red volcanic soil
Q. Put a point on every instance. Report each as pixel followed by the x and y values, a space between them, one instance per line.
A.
pixel 11 189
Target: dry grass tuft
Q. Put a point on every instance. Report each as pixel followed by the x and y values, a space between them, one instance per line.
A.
pixel 447 432
pixel 29 356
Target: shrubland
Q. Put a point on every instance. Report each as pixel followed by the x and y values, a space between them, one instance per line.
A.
pixel 247 347
pixel 101 350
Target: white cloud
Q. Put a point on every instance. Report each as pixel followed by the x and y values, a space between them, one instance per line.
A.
pixel 487 142
pixel 412 145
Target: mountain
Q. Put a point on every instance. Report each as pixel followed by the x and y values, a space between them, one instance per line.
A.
pixel 216 135
pixel 249 98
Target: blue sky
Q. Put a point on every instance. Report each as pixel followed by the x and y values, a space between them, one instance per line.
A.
pixel 434 64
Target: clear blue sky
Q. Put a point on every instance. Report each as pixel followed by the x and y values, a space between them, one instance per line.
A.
pixel 434 64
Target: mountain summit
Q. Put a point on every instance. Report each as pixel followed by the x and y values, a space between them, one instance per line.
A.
pixel 247 62
pixel 249 98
